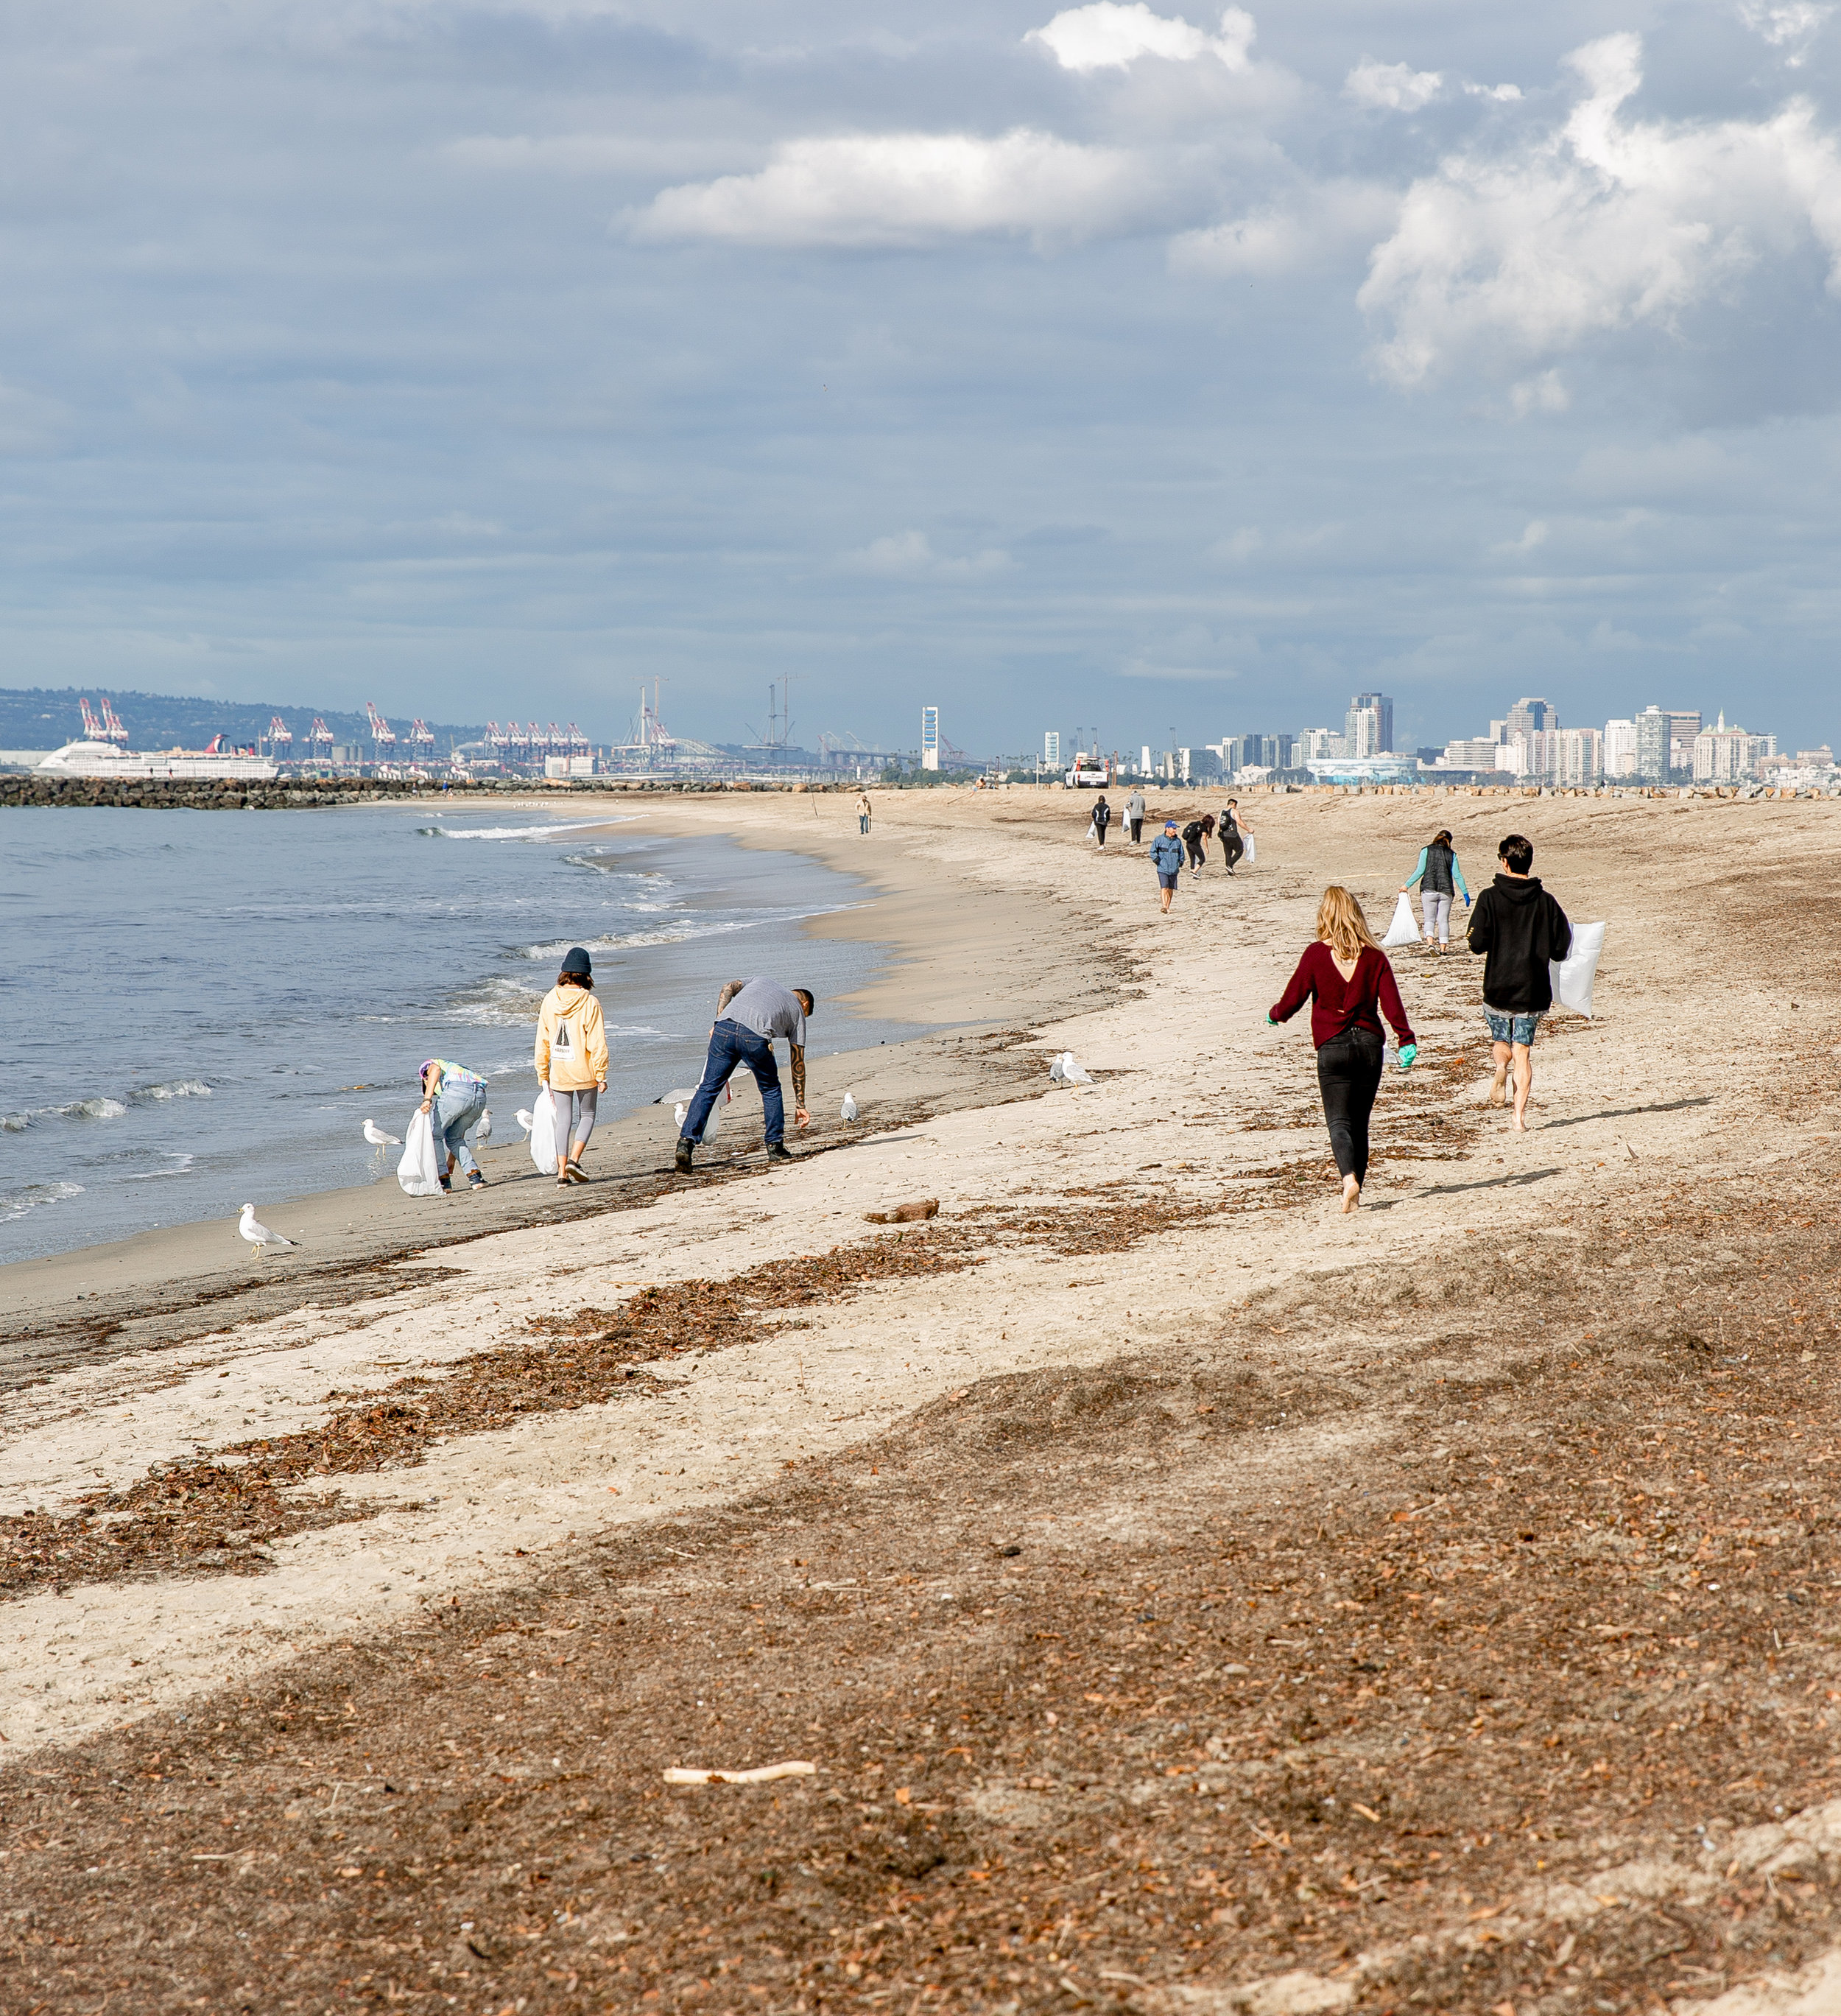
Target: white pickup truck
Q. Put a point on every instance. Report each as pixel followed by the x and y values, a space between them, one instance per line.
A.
pixel 1087 775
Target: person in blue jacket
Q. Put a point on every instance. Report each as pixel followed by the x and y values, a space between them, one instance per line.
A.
pixel 1439 878
pixel 1167 853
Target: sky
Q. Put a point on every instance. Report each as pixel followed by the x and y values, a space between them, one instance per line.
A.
pixel 1160 374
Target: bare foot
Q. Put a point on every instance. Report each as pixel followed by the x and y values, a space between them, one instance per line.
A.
pixel 1520 1125
pixel 1351 1194
pixel 1499 1087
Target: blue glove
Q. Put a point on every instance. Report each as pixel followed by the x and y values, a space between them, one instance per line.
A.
pixel 1408 1052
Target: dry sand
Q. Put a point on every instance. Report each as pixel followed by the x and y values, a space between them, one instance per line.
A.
pixel 1131 1229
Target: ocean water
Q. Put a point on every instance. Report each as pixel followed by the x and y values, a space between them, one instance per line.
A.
pixel 200 1007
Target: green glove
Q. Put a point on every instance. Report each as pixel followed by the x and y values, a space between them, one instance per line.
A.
pixel 1270 1024
pixel 1408 1052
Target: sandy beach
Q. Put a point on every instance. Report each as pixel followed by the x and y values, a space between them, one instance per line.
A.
pixel 1191 1598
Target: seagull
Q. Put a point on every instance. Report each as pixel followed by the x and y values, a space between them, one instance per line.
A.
pixel 848 1111
pixel 257 1234
pixel 483 1133
pixel 377 1138
pixel 525 1120
pixel 678 1112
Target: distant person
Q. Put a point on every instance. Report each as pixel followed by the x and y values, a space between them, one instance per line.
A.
pixel 572 1060
pixel 1195 835
pixel 1167 853
pixel 750 1013
pixel 1134 816
pixel 1518 927
pixel 1344 975
pixel 1232 845
pixel 863 811
pixel 1435 874
pixel 455 1100
pixel 1103 818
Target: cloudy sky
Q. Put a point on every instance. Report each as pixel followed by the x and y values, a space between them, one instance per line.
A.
pixel 1122 367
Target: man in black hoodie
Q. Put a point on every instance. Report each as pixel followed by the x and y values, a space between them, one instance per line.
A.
pixel 1518 927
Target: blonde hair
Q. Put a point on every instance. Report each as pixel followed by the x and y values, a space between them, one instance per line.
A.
pixel 1340 924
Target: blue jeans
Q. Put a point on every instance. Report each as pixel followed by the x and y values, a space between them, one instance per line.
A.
pixel 454 1114
pixel 730 1047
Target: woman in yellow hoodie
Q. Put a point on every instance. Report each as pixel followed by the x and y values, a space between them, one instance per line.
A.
pixel 572 1060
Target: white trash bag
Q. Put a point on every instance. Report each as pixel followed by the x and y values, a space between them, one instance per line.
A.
pixel 418 1172
pixel 543 1132
pixel 1572 976
pixel 1252 853
pixel 1405 929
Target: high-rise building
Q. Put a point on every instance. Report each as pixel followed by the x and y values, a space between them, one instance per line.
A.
pixel 1664 744
pixel 1368 727
pixel 1475 752
pixel 929 738
pixel 1530 717
pixel 1620 749
pixel 1723 755
pixel 1052 749
pixel 1319 745
pixel 1567 756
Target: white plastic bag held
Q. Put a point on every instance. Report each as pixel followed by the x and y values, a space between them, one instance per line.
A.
pixel 1572 975
pixel 1405 929
pixel 1252 853
pixel 417 1171
pixel 543 1132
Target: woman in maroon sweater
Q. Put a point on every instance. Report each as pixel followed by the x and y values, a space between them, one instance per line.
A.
pixel 1344 976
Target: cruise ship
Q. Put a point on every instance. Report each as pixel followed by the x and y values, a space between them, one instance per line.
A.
pixel 103 759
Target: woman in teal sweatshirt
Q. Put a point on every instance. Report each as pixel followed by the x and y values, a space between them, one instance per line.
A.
pixel 1436 874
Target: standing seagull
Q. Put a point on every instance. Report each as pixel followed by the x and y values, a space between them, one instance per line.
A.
pixel 524 1119
pixel 483 1133
pixel 849 1110
pixel 378 1139
pixel 257 1234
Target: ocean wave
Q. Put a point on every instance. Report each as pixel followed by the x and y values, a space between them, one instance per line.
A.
pixel 181 1163
pixel 495 1004
pixel 32 1196
pixel 92 1109
pixel 520 832
pixel 612 941
pixel 183 1088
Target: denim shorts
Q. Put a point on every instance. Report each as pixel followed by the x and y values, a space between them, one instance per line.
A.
pixel 1513 1028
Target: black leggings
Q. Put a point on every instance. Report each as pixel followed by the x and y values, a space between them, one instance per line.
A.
pixel 1196 856
pixel 1349 1075
pixel 1231 844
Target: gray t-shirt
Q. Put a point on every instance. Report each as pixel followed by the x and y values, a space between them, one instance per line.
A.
pixel 769 1010
pixel 1134 806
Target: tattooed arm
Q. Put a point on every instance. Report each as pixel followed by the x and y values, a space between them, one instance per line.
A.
pixel 730 990
pixel 800 1117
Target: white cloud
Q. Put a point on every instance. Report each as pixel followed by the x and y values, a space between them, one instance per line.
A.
pixel 1790 24
pixel 906 188
pixel 1307 227
pixel 1544 394
pixel 1505 94
pixel 910 556
pixel 1606 224
pixel 1108 36
pixel 1391 87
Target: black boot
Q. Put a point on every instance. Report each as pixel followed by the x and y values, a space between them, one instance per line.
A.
pixel 683 1149
pixel 777 1151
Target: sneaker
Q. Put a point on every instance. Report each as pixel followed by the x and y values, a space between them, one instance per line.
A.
pixel 446 1187
pixel 777 1151
pixel 476 1181
pixel 683 1149
pixel 572 1170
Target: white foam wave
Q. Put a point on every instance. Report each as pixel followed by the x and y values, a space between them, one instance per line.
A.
pixel 497 1004
pixel 93 1109
pixel 35 1194
pixel 181 1164
pixel 519 831
pixel 183 1088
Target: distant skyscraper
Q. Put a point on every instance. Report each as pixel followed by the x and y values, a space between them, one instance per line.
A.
pixel 1620 749
pixel 929 738
pixel 1531 717
pixel 1665 742
pixel 1052 749
pixel 1368 728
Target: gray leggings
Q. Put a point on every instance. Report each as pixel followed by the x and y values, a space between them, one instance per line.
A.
pixel 575 1119
pixel 1435 907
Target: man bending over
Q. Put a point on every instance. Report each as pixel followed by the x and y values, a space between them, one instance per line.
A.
pixel 750 1013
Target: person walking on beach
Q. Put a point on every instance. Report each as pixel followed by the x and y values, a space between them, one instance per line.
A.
pixel 1134 816
pixel 1518 927
pixel 455 1100
pixel 1345 975
pixel 572 1060
pixel 1103 818
pixel 1167 858
pixel 1232 845
pixel 750 1013
pixel 863 811
pixel 1196 836
pixel 1435 874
